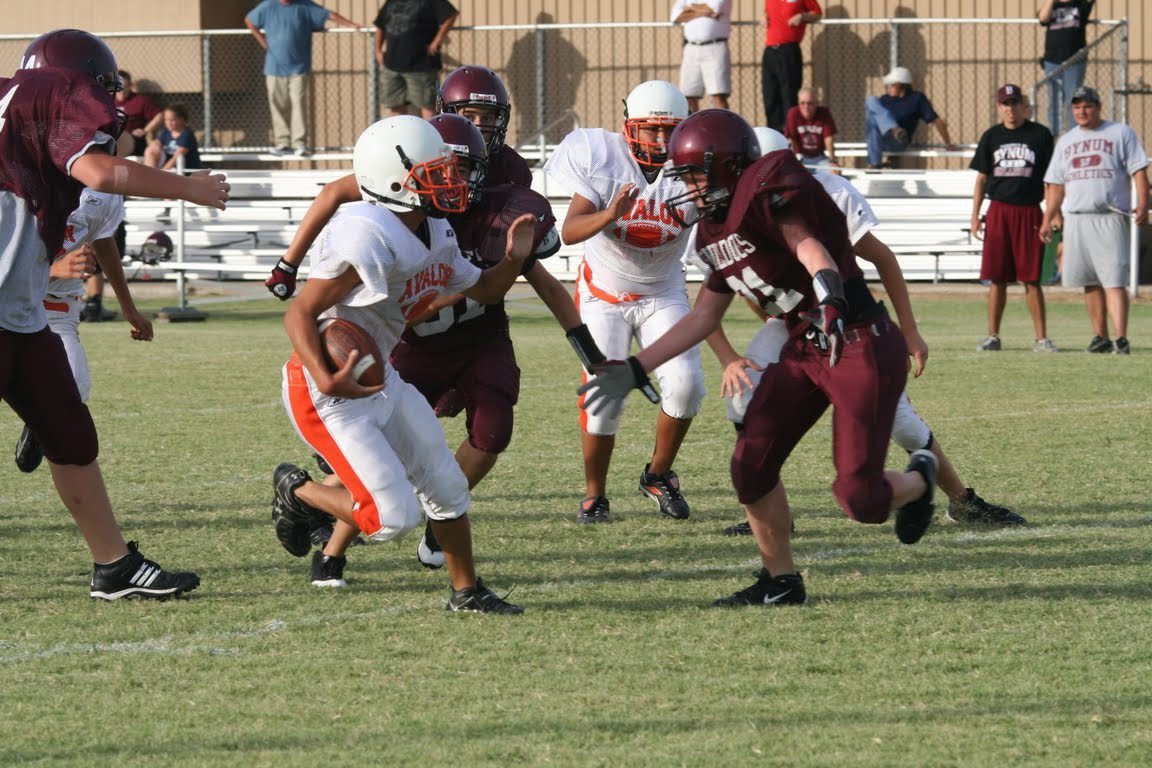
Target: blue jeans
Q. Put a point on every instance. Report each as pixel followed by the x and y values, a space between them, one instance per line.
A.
pixel 1060 90
pixel 878 125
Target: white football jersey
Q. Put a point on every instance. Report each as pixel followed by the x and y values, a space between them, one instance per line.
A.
pixel 399 275
pixel 96 217
pixel 861 217
pixel 640 253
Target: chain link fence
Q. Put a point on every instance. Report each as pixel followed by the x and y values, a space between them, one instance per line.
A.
pixel 561 75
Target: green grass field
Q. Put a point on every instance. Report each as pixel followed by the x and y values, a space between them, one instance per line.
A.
pixel 975 647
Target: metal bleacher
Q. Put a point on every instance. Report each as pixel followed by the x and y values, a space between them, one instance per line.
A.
pixel 924 218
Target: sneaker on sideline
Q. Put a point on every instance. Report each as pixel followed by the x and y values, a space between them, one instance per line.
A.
pixel 665 490
pixel 913 519
pixel 768 590
pixel 1044 345
pixel 301 152
pixel 328 570
pixel 1100 345
pixel 990 344
pixel 428 552
pixel 135 576
pixel 280 150
pixel 973 509
pixel 29 452
pixel 593 509
pixel 480 599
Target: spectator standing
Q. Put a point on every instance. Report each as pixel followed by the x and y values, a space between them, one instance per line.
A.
pixel 810 130
pixel 409 36
pixel 1088 182
pixel 891 120
pixel 706 65
pixel 1010 161
pixel 782 64
pixel 1064 22
pixel 175 140
pixel 142 115
pixel 284 30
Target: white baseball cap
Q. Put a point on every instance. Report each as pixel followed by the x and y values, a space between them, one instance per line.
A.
pixel 898 75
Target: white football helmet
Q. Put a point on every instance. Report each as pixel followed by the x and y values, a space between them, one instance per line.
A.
pixel 654 104
pixel 771 140
pixel 403 163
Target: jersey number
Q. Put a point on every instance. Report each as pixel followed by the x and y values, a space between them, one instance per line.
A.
pixel 774 301
pixel 447 317
pixel 4 106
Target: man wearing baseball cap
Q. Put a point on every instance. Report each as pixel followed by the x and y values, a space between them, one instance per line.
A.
pixel 1088 182
pixel 891 119
pixel 1010 161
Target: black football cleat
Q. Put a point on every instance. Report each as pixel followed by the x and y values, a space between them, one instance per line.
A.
pixel 328 570
pixel 292 517
pixel 29 453
pixel 480 599
pixel 428 551
pixel 133 576
pixel 768 590
pixel 665 490
pixel 913 519
pixel 973 509
pixel 593 509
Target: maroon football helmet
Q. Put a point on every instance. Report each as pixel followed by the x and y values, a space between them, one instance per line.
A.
pixel 76 50
pixel 465 139
pixel 157 248
pixel 715 144
pixel 475 86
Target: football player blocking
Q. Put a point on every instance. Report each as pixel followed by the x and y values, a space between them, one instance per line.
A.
pixel 909 430
pixel 65 86
pixel 381 263
pixel 630 285
pixel 770 232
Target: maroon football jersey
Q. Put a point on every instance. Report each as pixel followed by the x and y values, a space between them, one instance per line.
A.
pixel 505 166
pixel 747 251
pixel 49 117
pixel 483 235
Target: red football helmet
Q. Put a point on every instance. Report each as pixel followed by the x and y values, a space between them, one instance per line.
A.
pixel 157 248
pixel 715 146
pixel 77 50
pixel 478 87
pixel 465 139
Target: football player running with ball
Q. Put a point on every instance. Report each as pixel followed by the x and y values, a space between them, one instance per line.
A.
pixel 630 284
pixel 458 346
pixel 379 264
pixel 770 232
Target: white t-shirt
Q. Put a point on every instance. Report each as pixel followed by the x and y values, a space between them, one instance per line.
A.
pixel 1095 166
pixel 640 253
pixel 399 274
pixel 96 217
pixel 704 29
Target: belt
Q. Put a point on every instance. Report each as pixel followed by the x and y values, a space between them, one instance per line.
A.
pixel 781 45
pixel 706 42
pixel 603 295
pixel 852 334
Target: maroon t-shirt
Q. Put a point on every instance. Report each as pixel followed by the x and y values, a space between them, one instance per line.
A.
pixel 50 116
pixel 809 135
pixel 748 253
pixel 483 235
pixel 139 110
pixel 505 166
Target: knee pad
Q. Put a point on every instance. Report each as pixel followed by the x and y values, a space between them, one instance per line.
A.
pixel 865 500
pixel 449 499
pixel 682 388
pixel 908 429
pixel 490 426
pixel 79 447
pixel 401 516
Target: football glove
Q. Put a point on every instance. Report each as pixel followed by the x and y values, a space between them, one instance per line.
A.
pixel 282 283
pixel 828 318
pixel 612 383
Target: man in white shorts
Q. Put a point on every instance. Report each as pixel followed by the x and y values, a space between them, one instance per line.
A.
pixel 1088 180
pixel 631 282
pixel 909 430
pixel 379 263
pixel 90 232
pixel 706 66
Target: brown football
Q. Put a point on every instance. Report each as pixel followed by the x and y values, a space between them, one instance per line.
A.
pixel 340 337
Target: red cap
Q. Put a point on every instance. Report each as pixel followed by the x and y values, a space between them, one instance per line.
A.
pixel 1009 92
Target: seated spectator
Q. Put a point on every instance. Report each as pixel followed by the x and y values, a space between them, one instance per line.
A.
pixel 175 140
pixel 890 120
pixel 810 130
pixel 142 115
